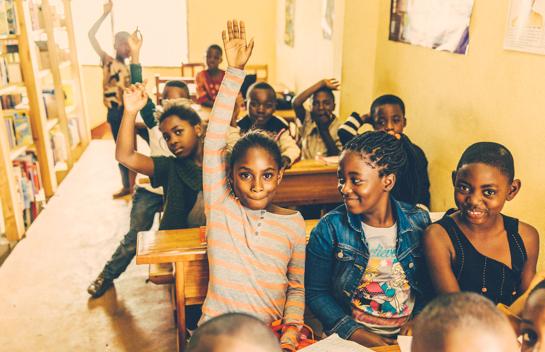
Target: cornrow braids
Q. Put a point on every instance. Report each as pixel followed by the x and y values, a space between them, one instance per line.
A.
pixel 392 156
pixel 255 139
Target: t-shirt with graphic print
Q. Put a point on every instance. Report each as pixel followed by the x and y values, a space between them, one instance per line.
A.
pixel 384 299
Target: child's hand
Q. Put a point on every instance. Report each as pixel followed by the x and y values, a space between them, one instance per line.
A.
pixel 332 84
pixel 366 118
pixel 108 6
pixel 286 161
pixel 135 41
pixel 135 97
pixel 236 50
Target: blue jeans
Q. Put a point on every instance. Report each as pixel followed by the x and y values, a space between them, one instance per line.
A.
pixel 114 119
pixel 144 207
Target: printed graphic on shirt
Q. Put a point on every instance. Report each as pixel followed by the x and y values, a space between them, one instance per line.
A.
pixel 116 77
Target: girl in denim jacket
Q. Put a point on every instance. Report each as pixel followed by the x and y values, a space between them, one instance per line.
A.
pixel 365 274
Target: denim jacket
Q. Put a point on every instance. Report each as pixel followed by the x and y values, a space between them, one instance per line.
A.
pixel 337 256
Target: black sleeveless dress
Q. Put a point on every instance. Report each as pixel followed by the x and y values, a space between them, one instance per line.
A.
pixel 478 273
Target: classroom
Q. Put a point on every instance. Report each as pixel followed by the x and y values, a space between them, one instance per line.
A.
pixel 89 261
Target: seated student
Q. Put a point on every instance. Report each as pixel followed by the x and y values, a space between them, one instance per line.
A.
pixel 365 276
pixel 261 105
pixel 233 332
pixel 388 114
pixel 256 250
pixel 319 125
pixel 463 321
pixel 475 248
pixel 146 199
pixel 208 81
pixel 533 321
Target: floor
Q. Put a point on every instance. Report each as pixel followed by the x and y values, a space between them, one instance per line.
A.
pixel 44 305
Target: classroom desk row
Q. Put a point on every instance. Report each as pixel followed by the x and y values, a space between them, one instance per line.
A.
pixel 184 249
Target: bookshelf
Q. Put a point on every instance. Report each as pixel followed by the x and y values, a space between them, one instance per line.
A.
pixel 44 37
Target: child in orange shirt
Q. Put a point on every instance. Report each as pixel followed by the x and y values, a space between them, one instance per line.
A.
pixel 209 81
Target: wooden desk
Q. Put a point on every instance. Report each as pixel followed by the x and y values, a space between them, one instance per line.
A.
pixel 184 249
pixel 393 348
pixel 288 115
pixel 308 182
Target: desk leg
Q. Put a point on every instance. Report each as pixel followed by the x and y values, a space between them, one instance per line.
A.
pixel 180 304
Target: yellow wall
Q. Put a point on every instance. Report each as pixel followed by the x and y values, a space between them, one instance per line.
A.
pixel 454 101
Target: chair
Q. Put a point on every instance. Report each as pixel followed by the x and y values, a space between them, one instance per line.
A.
pixel 161 81
pixel 194 67
pixel 262 71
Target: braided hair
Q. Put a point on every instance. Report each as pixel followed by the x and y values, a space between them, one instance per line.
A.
pixel 392 156
pixel 255 139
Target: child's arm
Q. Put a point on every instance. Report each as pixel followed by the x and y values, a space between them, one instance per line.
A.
pixel 135 43
pixel 298 101
pixel 134 99
pixel 530 237
pixel 323 128
pixel 93 31
pixel 294 308
pixel 438 251
pixel 349 129
pixel 214 166
pixel 289 149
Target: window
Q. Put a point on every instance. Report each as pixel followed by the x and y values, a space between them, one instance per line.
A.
pixel 163 24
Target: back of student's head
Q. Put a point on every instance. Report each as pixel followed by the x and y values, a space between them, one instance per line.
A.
pixel 233 332
pixel 491 154
pixel 255 139
pixel 180 108
pixel 462 321
pixel 387 99
pixel 262 85
pixel 120 36
pixel 175 84
pixel 393 156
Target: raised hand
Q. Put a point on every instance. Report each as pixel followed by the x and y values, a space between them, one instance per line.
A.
pixel 237 51
pixel 135 41
pixel 332 84
pixel 135 97
pixel 108 6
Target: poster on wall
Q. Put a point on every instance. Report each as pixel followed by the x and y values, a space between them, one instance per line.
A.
pixel 436 24
pixel 328 14
pixel 290 17
pixel 524 29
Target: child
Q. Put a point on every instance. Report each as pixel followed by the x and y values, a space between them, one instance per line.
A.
pixel 208 81
pixel 388 114
pixel 463 321
pixel 533 321
pixel 476 248
pixel 365 276
pixel 319 125
pixel 261 106
pixel 233 332
pixel 116 78
pixel 146 199
pixel 256 250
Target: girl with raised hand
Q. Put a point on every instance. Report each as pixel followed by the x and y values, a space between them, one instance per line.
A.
pixel 256 250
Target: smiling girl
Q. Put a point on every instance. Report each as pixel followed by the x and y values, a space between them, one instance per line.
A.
pixel 476 248
pixel 365 273
pixel 256 250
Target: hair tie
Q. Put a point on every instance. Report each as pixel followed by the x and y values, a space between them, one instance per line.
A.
pixel 394 134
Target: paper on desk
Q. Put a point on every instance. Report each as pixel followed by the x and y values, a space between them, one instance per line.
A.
pixel 404 343
pixel 333 344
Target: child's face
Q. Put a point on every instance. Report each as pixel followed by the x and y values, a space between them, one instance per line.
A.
pixel 255 178
pixel 388 118
pixel 213 59
pixel 533 323
pixel 261 106
pixel 181 137
pixel 122 47
pixel 480 192
pixel 360 185
pixel 322 107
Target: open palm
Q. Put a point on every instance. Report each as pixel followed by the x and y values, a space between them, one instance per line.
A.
pixel 135 97
pixel 237 51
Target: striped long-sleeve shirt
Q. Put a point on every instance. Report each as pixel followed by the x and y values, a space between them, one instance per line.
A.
pixel 257 258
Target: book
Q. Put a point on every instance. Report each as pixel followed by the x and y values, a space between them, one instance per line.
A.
pixel 12 21
pixel 22 128
pixel 11 132
pixel 4 27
